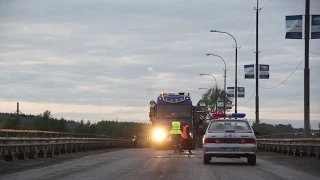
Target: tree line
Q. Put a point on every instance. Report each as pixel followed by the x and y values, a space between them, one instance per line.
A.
pixel 46 122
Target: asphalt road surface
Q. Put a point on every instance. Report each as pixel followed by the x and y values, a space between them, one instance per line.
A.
pixel 149 164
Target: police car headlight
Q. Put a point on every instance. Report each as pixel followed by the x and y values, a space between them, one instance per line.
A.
pixel 159 135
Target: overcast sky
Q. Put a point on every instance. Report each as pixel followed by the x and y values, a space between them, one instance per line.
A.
pixel 102 59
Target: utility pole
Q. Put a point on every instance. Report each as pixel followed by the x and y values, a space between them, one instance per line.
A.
pixel 18 111
pixel 307 71
pixel 225 91
pixel 236 82
pixel 257 62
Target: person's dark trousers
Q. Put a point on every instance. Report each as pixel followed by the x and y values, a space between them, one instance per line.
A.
pixel 176 140
pixel 186 144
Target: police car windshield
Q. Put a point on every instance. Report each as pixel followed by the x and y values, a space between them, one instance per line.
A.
pixel 229 125
pixel 174 110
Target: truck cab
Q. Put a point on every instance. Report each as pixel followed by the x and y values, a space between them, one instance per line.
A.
pixel 167 108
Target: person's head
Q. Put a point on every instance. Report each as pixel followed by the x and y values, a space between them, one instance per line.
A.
pixel 186 123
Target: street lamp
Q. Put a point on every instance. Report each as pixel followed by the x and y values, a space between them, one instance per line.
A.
pixel 225 76
pixel 215 81
pixel 236 69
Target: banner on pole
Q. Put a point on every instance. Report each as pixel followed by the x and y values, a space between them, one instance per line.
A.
pixel 315 27
pixel 294 27
pixel 263 71
pixel 230 92
pixel 221 104
pixel 241 92
pixel 249 71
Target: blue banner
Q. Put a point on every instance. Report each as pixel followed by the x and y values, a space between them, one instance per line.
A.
pixel 315 27
pixel 294 27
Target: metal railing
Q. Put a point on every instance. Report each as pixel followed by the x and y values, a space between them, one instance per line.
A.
pixel 313 134
pixel 291 144
pixel 23 144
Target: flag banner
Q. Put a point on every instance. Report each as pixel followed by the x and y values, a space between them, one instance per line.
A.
pixel 241 92
pixel 221 104
pixel 230 91
pixel 263 71
pixel 315 27
pixel 294 27
pixel 249 71
pixel 229 105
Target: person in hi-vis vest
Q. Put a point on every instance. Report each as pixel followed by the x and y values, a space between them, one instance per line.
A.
pixel 186 135
pixel 176 135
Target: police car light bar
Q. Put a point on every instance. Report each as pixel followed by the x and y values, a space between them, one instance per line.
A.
pixel 228 115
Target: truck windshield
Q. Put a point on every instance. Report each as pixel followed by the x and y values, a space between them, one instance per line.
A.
pixel 172 110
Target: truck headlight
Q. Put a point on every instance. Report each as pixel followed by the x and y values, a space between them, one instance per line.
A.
pixel 159 135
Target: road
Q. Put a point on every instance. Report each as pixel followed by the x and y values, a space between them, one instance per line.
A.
pixel 149 164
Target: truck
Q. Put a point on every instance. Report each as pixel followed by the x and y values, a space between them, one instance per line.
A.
pixel 175 106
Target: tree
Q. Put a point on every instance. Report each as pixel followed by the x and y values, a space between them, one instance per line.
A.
pixel 13 122
pixel 212 96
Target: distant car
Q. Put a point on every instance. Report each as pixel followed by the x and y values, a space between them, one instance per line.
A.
pixel 229 136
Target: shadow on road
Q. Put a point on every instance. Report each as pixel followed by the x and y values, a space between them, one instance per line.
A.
pixel 230 163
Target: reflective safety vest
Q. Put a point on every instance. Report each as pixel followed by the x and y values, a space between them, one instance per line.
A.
pixel 175 128
pixel 134 138
pixel 185 134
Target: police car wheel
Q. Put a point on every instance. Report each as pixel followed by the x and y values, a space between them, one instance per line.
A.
pixel 206 160
pixel 252 160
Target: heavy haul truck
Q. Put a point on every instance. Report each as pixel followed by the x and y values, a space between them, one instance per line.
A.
pixel 171 106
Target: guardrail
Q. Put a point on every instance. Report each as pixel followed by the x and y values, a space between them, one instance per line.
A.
pixel 39 133
pixel 298 146
pixel 48 143
pixel 313 134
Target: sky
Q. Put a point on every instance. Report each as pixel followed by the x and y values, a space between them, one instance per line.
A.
pixel 107 59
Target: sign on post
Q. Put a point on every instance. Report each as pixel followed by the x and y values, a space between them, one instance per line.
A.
pixel 249 71
pixel 263 71
pixel 221 104
pixel 230 92
pixel 241 92
pixel 294 27
pixel 315 27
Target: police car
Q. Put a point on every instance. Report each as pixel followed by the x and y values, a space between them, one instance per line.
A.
pixel 229 135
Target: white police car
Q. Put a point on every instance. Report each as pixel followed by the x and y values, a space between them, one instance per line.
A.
pixel 229 135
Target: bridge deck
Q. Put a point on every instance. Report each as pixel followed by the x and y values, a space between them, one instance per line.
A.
pixel 150 164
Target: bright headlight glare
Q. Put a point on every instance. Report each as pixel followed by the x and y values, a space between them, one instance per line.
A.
pixel 159 135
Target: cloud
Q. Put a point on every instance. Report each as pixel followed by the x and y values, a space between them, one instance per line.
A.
pixel 106 59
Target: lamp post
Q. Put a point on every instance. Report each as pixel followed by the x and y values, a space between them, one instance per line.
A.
pixel 236 69
pixel 225 76
pixel 216 84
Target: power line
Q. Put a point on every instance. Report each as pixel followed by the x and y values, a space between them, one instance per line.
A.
pixel 314 52
pixel 248 99
pixel 247 25
pixel 249 35
pixel 285 79
pixel 266 4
